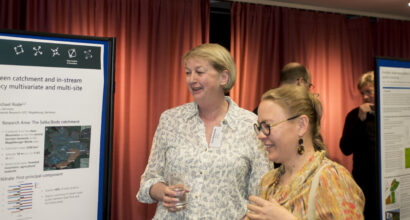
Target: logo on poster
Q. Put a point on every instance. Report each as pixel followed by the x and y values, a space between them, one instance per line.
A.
pixel 19 49
pixel 88 54
pixel 37 51
pixel 55 52
pixel 72 53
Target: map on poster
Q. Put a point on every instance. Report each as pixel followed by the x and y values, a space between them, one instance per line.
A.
pixel 66 147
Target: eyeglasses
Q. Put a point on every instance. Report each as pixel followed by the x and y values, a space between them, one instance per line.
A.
pixel 265 127
pixel 368 92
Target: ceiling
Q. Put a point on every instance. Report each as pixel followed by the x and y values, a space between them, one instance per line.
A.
pixel 394 9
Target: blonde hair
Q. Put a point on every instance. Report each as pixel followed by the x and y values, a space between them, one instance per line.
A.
pixel 297 100
pixel 366 78
pixel 219 58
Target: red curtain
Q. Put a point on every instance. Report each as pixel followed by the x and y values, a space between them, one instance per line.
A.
pixel 152 36
pixel 335 48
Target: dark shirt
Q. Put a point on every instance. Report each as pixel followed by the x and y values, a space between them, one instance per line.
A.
pixel 359 139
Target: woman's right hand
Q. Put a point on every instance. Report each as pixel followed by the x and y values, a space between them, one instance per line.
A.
pixel 170 198
pixel 164 193
pixel 262 209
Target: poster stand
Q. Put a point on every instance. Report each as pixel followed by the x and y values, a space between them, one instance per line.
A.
pixel 392 86
pixel 56 116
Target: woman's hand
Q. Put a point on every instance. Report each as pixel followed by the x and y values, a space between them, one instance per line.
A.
pixel 167 195
pixel 264 209
pixel 170 198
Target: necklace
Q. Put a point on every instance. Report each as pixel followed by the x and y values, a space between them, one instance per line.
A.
pixel 281 171
pixel 272 188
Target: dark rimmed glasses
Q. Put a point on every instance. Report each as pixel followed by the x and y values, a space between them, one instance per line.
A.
pixel 265 127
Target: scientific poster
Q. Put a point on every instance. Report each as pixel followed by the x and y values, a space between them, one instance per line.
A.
pixel 53 123
pixel 393 96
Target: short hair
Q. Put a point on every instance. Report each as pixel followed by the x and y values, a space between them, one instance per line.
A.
pixel 220 59
pixel 291 72
pixel 296 100
pixel 366 78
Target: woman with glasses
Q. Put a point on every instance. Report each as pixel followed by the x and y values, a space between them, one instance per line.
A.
pixel 210 141
pixel 307 185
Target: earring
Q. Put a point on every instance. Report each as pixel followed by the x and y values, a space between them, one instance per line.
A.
pixel 301 148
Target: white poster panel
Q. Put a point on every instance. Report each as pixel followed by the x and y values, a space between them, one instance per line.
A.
pixel 51 106
pixel 394 133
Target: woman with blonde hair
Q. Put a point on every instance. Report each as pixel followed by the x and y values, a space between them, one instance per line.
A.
pixel 307 185
pixel 210 141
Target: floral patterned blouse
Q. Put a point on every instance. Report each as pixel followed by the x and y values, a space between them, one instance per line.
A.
pixel 337 196
pixel 220 178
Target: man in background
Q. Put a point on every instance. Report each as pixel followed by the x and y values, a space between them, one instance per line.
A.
pixel 293 73
pixel 359 139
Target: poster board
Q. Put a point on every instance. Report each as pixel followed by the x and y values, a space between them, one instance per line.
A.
pixel 56 105
pixel 392 87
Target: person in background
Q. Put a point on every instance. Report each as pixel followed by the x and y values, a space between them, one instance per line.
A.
pixel 307 185
pixel 211 141
pixel 359 139
pixel 293 73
